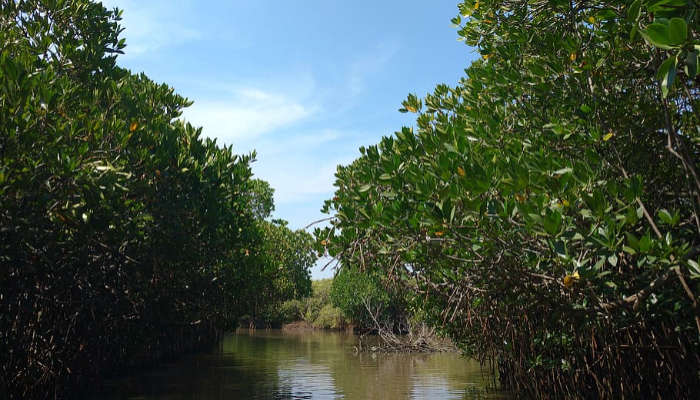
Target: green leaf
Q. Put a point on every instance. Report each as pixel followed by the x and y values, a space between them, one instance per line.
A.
pixel 665 217
pixel 663 5
pixel 667 74
pixel 677 31
pixel 633 32
pixel 629 250
pixel 364 188
pixel 552 222
pixel 632 240
pixel 645 243
pixel 657 35
pixel 691 63
pixel 364 212
pixel 633 12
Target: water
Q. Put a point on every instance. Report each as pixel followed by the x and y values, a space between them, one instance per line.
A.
pixel 306 365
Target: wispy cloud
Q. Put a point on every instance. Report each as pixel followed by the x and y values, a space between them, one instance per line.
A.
pixel 370 64
pixel 247 114
pixel 299 162
pixel 153 25
pixel 301 181
pixel 312 141
pixel 302 166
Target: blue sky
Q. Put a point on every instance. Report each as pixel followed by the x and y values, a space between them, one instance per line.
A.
pixel 304 83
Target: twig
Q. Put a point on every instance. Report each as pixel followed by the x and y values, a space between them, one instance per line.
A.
pixel 690 295
pixel 639 201
pixel 638 297
pixel 318 222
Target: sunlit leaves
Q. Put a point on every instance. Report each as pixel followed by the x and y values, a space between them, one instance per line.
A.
pixel 658 35
pixel 549 157
pixel 112 210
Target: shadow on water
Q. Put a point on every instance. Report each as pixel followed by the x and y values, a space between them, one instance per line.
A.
pixel 309 365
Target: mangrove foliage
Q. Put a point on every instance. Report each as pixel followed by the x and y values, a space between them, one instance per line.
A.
pixel 125 235
pixel 546 208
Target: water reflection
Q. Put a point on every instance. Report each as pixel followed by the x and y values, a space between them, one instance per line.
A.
pixel 310 365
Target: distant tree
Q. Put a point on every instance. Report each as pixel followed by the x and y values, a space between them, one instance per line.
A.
pixel 280 270
pixel 261 198
pixel 365 300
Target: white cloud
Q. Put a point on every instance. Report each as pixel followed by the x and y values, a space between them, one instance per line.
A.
pixel 301 166
pixel 299 143
pixel 298 163
pixel 246 115
pixel 300 181
pixel 152 25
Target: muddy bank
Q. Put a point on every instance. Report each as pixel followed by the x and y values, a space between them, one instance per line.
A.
pixel 304 326
pixel 298 326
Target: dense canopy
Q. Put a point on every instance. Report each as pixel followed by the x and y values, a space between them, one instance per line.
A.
pixel 124 234
pixel 546 208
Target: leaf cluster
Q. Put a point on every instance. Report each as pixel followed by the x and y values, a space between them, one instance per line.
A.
pixel 124 233
pixel 547 205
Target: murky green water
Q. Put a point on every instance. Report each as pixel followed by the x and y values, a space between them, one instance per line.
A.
pixel 309 365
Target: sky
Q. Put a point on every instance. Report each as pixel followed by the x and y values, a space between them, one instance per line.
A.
pixel 303 83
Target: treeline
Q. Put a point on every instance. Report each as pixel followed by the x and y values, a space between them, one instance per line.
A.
pixel 333 303
pixel 546 208
pixel 361 302
pixel 378 306
pixel 125 236
pixel 314 311
pixel 350 299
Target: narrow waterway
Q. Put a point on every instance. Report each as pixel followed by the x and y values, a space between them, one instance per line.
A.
pixel 272 364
